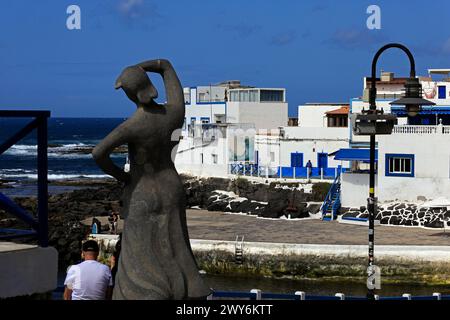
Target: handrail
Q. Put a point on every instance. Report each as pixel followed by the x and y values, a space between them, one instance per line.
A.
pixel 289 296
pixel 329 195
pixel 39 225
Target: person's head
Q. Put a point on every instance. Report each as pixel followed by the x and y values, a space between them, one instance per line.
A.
pixel 137 85
pixel 90 250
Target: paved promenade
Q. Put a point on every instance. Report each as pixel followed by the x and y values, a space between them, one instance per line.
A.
pixel 208 225
pixel 221 226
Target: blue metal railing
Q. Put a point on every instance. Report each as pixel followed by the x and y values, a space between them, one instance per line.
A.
pixel 255 170
pixel 252 295
pixel 332 192
pixel 39 225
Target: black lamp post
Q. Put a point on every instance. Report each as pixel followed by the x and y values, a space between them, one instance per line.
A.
pixel 372 122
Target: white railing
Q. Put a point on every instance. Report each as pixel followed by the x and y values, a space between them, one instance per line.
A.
pixel 416 129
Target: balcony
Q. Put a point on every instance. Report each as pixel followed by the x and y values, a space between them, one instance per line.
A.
pixel 421 130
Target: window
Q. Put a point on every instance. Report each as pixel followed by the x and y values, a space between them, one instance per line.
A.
pixel 400 165
pixel 271 95
pixel 243 95
pixel 202 97
pixel 441 92
pixel 234 95
pixel 253 96
pixel 337 121
pixel 214 158
pixel 204 120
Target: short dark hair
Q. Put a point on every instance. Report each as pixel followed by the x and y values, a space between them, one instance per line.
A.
pixel 90 245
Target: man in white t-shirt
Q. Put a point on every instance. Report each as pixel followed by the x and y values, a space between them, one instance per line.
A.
pixel 90 279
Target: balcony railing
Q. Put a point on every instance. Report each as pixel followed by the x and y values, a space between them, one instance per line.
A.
pixel 421 130
pixel 39 224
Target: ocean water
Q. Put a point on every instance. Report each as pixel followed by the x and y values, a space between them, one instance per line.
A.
pixel 70 140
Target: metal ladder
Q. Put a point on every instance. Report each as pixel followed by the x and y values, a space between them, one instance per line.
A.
pixel 238 250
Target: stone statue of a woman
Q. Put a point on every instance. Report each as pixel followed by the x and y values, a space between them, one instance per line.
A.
pixel 156 261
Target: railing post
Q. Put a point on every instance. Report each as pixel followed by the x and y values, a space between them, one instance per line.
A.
pixel 307 173
pixel 321 173
pixel 281 171
pixel 300 294
pixel 42 180
pixel 437 295
pixel 257 292
pixel 267 172
pixel 341 296
pixel 294 174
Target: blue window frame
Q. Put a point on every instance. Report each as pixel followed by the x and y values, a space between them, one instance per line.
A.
pixel 192 120
pixel 399 165
pixel 297 159
pixel 441 92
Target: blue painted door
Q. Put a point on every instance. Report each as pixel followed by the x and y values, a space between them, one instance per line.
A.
pixel 322 160
pixel 296 159
pixel 442 93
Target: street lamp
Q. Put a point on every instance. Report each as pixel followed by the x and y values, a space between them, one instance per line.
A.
pixel 372 122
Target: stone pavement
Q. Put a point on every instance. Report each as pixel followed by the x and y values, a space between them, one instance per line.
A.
pixel 209 225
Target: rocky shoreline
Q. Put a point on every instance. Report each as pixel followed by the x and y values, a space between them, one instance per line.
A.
pixel 99 197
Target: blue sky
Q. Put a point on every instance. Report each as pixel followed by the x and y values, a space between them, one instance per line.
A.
pixel 318 50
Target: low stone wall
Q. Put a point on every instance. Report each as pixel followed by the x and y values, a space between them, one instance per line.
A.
pixel 404 214
pixel 294 200
pixel 399 264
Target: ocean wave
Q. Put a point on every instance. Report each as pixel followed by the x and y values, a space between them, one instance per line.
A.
pixel 70 150
pixel 55 176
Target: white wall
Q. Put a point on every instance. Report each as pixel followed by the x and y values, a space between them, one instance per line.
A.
pixel 431 166
pixel 265 115
pixel 314 115
pixel 203 110
pixel 431 169
pixel 310 142
pixel 265 145
pixel 355 189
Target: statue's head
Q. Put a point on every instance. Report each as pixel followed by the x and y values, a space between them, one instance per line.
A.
pixel 137 85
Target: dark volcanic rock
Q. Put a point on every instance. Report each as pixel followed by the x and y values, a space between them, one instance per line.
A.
pixel 275 208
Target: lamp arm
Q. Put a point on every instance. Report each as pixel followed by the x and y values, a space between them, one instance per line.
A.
pixel 373 88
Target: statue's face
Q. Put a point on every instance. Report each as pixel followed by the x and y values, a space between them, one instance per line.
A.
pixel 137 85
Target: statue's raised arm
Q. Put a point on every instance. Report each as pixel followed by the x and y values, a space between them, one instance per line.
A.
pixel 174 91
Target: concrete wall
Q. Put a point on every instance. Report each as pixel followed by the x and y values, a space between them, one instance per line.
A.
pixel 355 189
pixel 26 269
pixel 265 115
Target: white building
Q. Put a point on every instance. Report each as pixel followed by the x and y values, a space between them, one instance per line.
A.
pixel 414 161
pixel 229 102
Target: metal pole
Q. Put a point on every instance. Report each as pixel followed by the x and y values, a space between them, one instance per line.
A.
pixel 42 181
pixel 371 209
pixel 371 201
